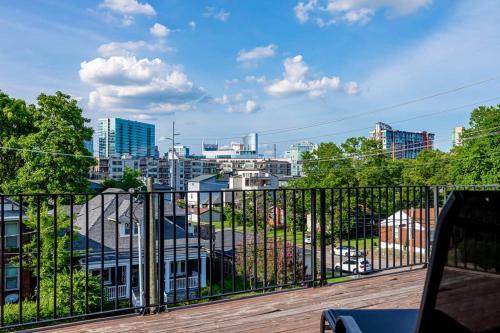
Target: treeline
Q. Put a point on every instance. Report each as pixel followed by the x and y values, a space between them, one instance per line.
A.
pixel 361 161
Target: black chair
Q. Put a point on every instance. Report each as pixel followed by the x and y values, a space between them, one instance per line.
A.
pixel 462 287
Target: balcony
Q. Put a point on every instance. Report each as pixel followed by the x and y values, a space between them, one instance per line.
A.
pixel 292 311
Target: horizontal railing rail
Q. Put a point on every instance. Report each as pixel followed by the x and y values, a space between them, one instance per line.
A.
pixel 76 256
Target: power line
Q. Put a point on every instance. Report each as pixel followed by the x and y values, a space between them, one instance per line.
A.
pixel 360 156
pixel 377 110
pixel 46 152
pixel 392 122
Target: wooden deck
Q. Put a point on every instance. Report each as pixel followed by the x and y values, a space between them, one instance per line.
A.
pixel 293 311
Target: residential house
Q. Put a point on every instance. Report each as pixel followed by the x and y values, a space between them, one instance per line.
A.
pixel 407 229
pixel 11 213
pixel 252 179
pixel 115 205
pixel 205 183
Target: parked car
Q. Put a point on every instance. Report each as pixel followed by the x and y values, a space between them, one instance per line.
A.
pixel 355 266
pixel 307 239
pixel 347 251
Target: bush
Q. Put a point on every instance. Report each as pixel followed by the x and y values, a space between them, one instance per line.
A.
pixel 11 311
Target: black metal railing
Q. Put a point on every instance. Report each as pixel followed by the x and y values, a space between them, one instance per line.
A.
pixel 76 256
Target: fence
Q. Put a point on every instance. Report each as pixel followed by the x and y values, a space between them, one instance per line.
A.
pixel 76 256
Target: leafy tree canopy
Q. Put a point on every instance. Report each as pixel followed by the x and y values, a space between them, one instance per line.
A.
pixel 54 125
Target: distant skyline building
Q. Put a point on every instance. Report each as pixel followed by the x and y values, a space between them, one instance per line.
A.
pixel 457 135
pixel 295 155
pixel 248 149
pixel 402 144
pixel 89 145
pixel 121 137
pixel 181 151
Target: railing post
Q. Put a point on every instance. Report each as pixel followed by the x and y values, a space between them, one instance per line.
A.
pixel 322 226
pixel 314 253
pixel 153 290
pixel 427 224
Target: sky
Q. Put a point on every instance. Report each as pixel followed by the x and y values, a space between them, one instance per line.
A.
pixel 318 70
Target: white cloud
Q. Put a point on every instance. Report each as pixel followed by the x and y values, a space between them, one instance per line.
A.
pixel 329 12
pixel 302 10
pixel 256 79
pixel 130 47
pixel 238 103
pixel 220 15
pixel 258 52
pixel 223 100
pixel 351 88
pixel 295 81
pixel 128 7
pixel 159 30
pixel 128 84
pixel 251 106
pixel 192 25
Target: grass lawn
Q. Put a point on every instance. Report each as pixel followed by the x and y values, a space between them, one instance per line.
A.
pixel 361 243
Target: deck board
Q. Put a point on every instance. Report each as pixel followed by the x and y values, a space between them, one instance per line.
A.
pixel 292 311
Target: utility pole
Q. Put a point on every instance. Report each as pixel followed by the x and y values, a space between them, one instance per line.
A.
pixel 153 291
pixel 173 183
pixel 173 156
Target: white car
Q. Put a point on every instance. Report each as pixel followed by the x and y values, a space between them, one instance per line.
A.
pixel 307 239
pixel 355 266
pixel 347 251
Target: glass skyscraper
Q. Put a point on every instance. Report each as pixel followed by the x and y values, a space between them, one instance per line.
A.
pixel 402 144
pixel 119 137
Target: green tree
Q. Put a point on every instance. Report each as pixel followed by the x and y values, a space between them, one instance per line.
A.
pixel 16 121
pixel 431 167
pixel 59 131
pixel 477 161
pixel 130 179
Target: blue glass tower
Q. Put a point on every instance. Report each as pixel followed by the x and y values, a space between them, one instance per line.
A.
pixel 118 137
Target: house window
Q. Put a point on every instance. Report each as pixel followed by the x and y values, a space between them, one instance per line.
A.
pixel 125 229
pixel 11 277
pixel 11 235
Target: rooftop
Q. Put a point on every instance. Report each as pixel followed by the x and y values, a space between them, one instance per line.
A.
pixel 291 311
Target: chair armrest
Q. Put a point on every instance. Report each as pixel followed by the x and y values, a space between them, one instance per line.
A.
pixel 346 324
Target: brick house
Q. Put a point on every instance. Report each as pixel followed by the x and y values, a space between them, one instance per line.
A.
pixel 407 228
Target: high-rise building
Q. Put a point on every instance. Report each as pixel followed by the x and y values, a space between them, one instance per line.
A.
pixel 181 151
pixel 248 149
pixel 402 144
pixel 295 155
pixel 121 137
pixel 89 144
pixel 457 135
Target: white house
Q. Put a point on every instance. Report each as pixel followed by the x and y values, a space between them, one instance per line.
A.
pixel 101 237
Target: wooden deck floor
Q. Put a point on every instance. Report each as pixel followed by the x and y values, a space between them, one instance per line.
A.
pixel 293 311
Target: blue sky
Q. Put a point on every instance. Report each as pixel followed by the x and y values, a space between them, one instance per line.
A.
pixel 224 68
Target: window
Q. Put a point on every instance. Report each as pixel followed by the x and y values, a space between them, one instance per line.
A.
pixel 11 235
pixel 11 277
pixel 125 229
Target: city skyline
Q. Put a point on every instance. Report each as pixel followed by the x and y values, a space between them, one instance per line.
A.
pixel 254 76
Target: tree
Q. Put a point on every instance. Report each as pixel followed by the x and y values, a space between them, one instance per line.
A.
pixel 129 180
pixel 431 167
pixel 16 121
pixel 266 259
pixel 477 161
pixel 53 158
